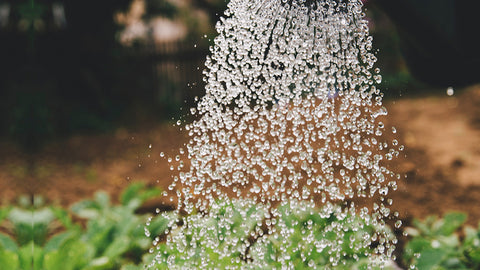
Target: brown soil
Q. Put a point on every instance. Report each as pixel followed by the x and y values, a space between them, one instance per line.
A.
pixel 441 160
pixel 442 156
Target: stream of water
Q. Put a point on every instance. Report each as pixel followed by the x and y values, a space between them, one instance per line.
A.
pixel 290 122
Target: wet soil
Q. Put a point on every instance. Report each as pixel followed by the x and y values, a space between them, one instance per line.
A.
pixel 441 160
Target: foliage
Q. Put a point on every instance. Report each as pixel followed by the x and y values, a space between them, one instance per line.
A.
pixel 309 245
pixel 114 235
pixel 441 244
pixel 213 229
pixel 298 248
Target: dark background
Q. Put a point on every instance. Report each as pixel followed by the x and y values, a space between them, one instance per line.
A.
pixel 65 75
pixel 71 75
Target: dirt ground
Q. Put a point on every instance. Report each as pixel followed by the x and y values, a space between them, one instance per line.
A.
pixel 441 160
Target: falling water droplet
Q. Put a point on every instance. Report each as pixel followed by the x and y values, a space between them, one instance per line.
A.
pixel 450 91
pixel 398 224
pixel 290 122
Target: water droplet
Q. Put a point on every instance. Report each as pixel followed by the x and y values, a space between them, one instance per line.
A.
pixel 398 224
pixel 450 91
pixel 280 125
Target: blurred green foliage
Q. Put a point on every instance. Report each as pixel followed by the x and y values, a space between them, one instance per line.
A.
pixel 297 249
pixel 443 243
pixel 113 236
pixel 47 238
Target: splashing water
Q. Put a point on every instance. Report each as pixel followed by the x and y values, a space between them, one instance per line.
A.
pixel 289 124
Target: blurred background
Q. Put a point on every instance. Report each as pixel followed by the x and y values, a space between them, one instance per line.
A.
pixel 91 91
pixel 94 95
pixel 72 70
pixel 72 67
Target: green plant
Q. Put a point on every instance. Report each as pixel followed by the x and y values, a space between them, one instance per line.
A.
pixel 114 234
pixel 301 236
pixel 439 244
pixel 38 237
pixel 212 234
pixel 31 225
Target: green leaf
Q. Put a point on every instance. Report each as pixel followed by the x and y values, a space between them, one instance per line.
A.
pixel 158 226
pixel 103 199
pixel 4 213
pixel 25 254
pixel 131 192
pixel 31 224
pixel 119 246
pixel 43 216
pixel 100 263
pixel 143 242
pixel 474 255
pixel 23 225
pixel 134 203
pixel 138 191
pixel 88 213
pixel 426 227
pixel 415 246
pixel 452 221
pixel 30 257
pixel 470 235
pixel 86 204
pixel 448 241
pixel 63 216
pixel 40 234
pixel 99 234
pixel 131 267
pixel 454 262
pixel 126 224
pixel 149 193
pixel 7 243
pixel 431 258
pixel 17 215
pixel 412 232
pixel 9 259
pixel 58 240
pixel 37 257
pixel 72 254
pixel 53 260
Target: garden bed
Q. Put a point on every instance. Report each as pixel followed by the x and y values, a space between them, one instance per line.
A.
pixel 442 159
